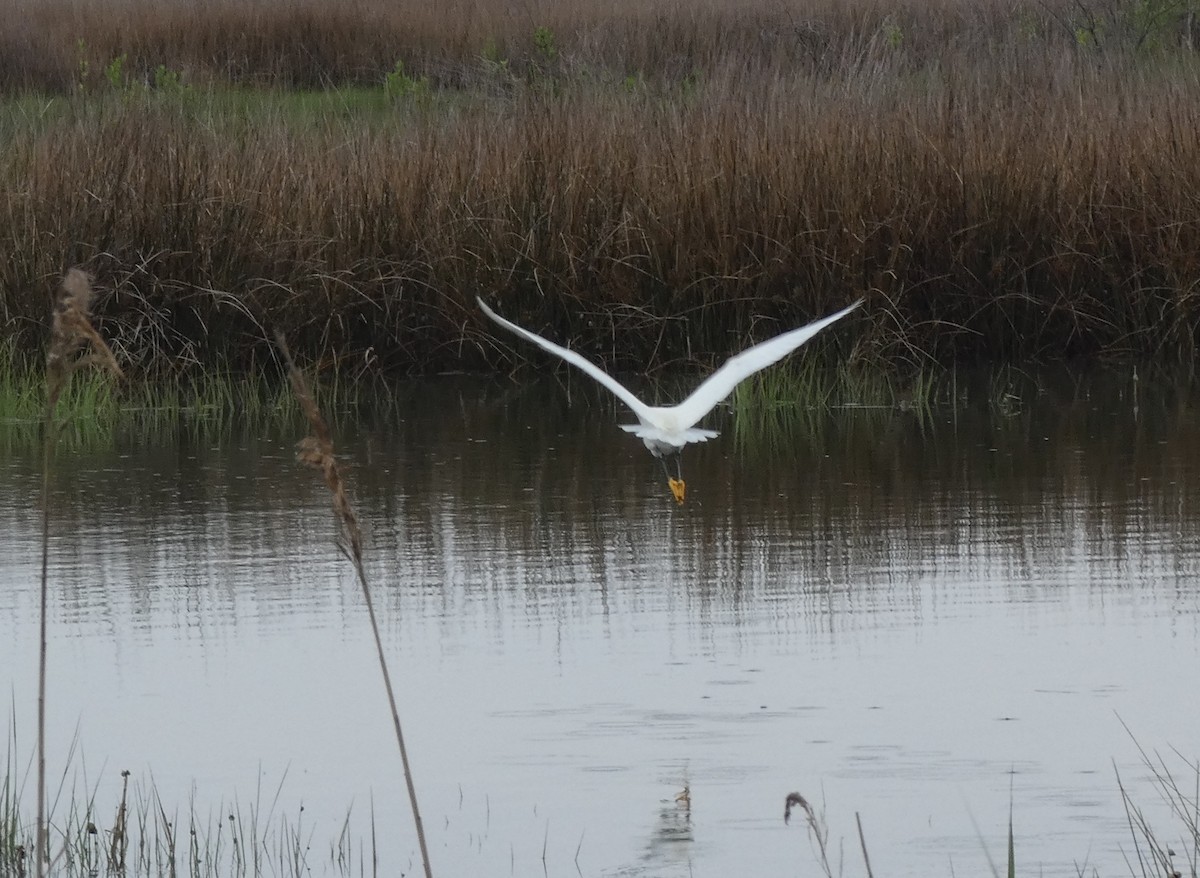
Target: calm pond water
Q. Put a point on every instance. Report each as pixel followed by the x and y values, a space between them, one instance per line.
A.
pixel 921 619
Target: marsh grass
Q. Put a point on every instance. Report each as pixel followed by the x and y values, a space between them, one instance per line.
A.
pixel 847 385
pixel 654 184
pixel 121 827
pixel 776 409
pixel 13 849
pixel 1155 851
pixel 94 411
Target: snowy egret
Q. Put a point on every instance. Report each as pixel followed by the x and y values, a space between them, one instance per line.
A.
pixel 665 430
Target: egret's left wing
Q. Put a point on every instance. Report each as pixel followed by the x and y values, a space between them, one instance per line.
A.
pixel 736 369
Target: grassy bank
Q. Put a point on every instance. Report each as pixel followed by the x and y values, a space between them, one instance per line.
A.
pixel 95 407
pixel 654 184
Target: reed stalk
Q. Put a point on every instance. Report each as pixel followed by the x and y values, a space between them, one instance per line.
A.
pixel 74 345
pixel 317 451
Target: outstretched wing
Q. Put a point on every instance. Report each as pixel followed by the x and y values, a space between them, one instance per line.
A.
pixel 639 408
pixel 720 384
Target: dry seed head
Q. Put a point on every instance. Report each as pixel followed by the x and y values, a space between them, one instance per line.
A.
pixel 317 451
pixel 76 291
pixel 795 799
pixel 310 453
pixel 70 332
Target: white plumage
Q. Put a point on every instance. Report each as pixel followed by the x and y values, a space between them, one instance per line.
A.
pixel 665 430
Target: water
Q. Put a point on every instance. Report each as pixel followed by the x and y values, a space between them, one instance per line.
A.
pixel 919 619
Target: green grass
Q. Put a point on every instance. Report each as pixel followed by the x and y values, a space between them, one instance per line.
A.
pixel 791 403
pixel 120 826
pixel 94 410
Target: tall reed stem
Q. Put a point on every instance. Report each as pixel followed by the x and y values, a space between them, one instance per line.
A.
pixel 71 332
pixel 317 451
pixel 48 440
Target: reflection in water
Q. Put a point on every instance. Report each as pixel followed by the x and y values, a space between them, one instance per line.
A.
pixel 670 843
pixel 905 611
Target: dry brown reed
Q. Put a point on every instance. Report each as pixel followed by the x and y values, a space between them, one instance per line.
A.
pixel 1003 180
pixel 74 345
pixel 818 830
pixel 71 332
pixel 118 844
pixel 819 833
pixel 317 451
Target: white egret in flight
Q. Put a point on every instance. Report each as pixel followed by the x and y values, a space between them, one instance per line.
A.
pixel 665 430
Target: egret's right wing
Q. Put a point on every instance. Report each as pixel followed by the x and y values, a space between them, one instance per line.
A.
pixel 720 384
pixel 639 408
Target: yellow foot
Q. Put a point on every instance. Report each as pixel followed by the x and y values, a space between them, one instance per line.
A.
pixel 678 488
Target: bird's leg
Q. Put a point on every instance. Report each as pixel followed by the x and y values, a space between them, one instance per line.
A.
pixel 678 488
